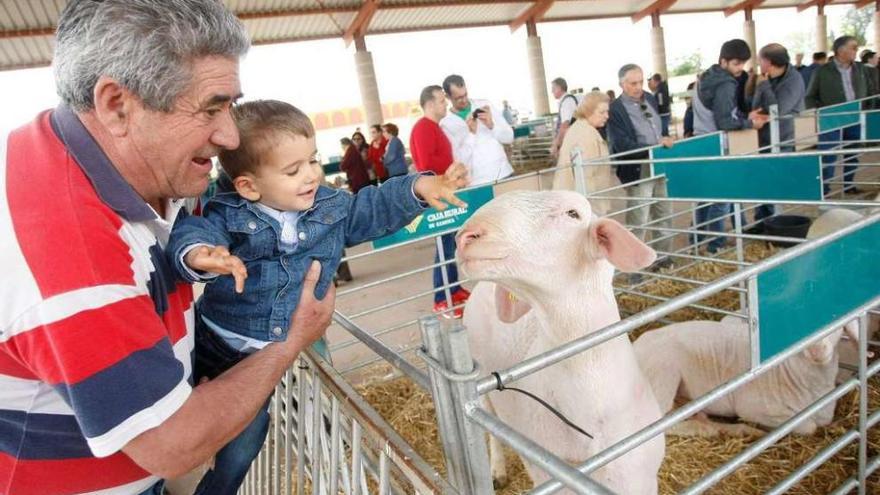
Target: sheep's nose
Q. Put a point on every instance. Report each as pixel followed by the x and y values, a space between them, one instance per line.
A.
pixel 468 235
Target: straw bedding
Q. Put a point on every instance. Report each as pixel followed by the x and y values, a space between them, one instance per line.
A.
pixel 409 410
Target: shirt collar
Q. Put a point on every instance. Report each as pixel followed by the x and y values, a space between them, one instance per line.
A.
pixel 840 67
pixel 279 216
pixel 108 183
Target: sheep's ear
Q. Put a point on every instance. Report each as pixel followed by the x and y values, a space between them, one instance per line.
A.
pixel 610 240
pixel 852 331
pixel 508 307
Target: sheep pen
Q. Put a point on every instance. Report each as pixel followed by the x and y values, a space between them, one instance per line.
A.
pixel 409 410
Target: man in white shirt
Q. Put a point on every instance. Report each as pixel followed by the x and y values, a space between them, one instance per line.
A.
pixel 477 132
pixel 568 104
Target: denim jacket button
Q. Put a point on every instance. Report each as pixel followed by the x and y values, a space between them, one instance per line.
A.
pixel 276 330
pixel 302 236
pixel 252 225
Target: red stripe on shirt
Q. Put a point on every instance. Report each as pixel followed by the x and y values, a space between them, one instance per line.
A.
pixel 69 476
pixel 81 231
pixel 178 301
pixel 89 341
pixel 10 366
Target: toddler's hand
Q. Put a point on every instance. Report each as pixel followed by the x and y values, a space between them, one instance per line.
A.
pixel 217 260
pixel 438 190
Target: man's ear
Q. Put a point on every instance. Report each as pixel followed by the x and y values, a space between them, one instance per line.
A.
pixel 246 187
pixel 114 105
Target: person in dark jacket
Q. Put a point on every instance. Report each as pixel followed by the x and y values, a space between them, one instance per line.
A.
pixel 660 89
pixel 780 84
pixel 839 81
pixel 354 167
pixel 633 125
pixel 395 161
pixel 819 59
pixel 715 109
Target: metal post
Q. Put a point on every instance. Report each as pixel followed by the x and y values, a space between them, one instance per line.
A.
pixel 740 253
pixel 754 324
pixel 444 267
pixel 774 127
pixel 577 164
pixel 863 402
pixel 464 392
pixel 317 428
pixel 442 395
pixel 301 427
pixel 276 436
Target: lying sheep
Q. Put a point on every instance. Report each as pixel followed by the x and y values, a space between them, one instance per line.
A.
pixel 689 359
pixel 545 265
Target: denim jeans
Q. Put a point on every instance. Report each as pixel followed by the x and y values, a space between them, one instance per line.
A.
pixel 448 241
pixel 713 213
pixel 664 124
pixel 213 357
pixel 831 140
pixel 156 489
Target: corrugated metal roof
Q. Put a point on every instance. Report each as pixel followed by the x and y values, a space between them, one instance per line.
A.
pixel 26 26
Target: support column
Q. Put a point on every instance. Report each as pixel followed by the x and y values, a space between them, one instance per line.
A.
pixel 877 26
pixel 363 61
pixel 540 97
pixel 658 45
pixel 749 35
pixel 821 30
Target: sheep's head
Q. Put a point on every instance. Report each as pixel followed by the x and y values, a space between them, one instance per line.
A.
pixel 544 242
pixel 822 351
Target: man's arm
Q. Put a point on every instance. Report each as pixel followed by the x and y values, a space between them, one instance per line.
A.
pixel 617 129
pixel 724 109
pixel 501 130
pixel 217 411
pixel 461 139
pixel 811 99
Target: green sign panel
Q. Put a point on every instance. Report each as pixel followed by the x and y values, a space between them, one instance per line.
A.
pixel 757 177
pixel 432 222
pixel 708 145
pixel 802 295
pixel 872 126
pixel 837 116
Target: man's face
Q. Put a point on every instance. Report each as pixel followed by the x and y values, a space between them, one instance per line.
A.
pixel 176 147
pixel 652 85
pixel 557 91
pixel 734 66
pixel 375 134
pixel 458 95
pixel 437 106
pixel 289 174
pixel 798 59
pixel 847 53
pixel 765 65
pixel 633 84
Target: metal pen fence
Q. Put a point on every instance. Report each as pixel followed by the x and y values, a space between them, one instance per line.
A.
pixel 358 445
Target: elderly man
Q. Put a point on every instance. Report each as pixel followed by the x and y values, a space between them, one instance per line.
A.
pixel 477 132
pixel 634 124
pixel 95 335
pixel 568 104
pixel 839 81
pixel 781 85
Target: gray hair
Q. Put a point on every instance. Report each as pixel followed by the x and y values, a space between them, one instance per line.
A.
pixel 148 46
pixel 626 68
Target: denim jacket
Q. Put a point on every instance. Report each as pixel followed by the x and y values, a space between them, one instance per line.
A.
pixel 274 283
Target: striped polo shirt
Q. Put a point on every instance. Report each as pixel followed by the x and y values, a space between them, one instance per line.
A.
pixel 95 332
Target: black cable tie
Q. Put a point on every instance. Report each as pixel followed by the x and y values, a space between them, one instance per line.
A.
pixel 500 387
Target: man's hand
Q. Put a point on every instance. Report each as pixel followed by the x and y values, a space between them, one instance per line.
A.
pixel 471 124
pixel 486 117
pixel 217 260
pixel 666 142
pixel 312 316
pixel 758 119
pixel 438 190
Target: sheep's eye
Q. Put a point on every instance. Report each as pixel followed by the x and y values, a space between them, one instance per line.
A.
pixel 573 214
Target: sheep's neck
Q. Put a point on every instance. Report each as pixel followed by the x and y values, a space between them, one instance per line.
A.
pixel 580 310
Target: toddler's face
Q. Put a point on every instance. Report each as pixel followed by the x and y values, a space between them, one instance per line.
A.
pixel 290 176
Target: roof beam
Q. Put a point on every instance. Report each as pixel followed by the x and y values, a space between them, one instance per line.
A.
pixel 864 3
pixel 656 7
pixel 746 4
pixel 813 3
pixel 361 22
pixel 534 13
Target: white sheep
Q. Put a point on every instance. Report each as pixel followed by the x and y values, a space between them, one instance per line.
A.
pixel 689 359
pixel 545 265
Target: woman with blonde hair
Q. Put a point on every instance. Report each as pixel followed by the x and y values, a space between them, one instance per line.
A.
pixel 592 113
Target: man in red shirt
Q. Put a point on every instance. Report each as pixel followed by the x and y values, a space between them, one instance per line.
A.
pixel 432 152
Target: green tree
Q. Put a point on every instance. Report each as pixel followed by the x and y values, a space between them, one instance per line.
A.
pixel 855 23
pixel 689 64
